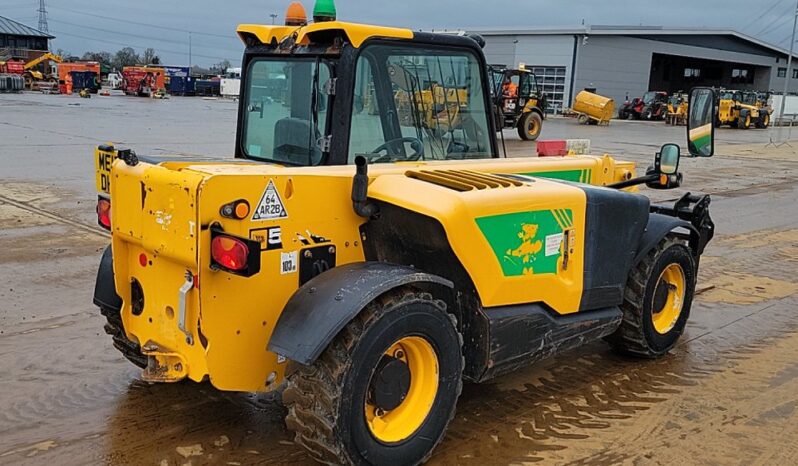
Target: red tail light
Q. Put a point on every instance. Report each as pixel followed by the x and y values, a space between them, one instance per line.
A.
pixel 235 255
pixel 230 253
pixel 104 213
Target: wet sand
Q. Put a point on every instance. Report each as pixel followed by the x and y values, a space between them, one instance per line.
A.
pixel 727 394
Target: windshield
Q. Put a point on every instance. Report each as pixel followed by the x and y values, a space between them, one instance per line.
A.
pixel 648 97
pixel 286 114
pixel 418 103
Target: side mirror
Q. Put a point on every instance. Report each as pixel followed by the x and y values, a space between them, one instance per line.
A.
pixel 700 127
pixel 667 159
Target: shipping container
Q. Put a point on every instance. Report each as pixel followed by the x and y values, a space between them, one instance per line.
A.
pixel 208 87
pixel 66 69
pixel 85 80
pixel 178 80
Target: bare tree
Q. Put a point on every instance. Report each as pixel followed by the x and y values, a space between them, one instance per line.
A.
pixel 126 57
pixel 150 58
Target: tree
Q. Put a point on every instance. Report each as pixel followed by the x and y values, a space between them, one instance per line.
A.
pixel 221 67
pixel 104 58
pixel 150 58
pixel 126 57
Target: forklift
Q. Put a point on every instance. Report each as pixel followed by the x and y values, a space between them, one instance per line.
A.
pixel 518 101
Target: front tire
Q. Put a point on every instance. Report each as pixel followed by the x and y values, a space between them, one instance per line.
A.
pixel 530 126
pixel 657 300
pixel 385 389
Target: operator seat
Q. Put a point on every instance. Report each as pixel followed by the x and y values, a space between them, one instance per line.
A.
pixel 295 142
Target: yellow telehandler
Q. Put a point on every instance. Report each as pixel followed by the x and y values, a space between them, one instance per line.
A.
pixel 369 264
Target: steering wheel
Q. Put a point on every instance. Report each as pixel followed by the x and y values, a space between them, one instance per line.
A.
pixel 394 147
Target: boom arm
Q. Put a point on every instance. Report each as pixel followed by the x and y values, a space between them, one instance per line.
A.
pixel 46 56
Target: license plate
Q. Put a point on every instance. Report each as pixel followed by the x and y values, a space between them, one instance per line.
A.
pixel 103 159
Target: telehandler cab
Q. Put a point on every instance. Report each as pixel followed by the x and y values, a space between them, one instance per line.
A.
pixel 369 264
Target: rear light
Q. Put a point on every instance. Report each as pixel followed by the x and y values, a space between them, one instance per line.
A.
pixel 232 254
pixel 104 212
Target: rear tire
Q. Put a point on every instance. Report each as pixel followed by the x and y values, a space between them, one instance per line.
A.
pixel 330 402
pixel 130 350
pixel 530 126
pixel 651 284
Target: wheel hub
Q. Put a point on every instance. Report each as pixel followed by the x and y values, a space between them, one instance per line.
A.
pixel 390 384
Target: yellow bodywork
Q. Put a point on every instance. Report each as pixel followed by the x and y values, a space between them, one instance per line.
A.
pixel 356 33
pixel 162 214
pixel 595 106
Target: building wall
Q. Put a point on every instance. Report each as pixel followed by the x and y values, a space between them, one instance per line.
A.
pixel 777 83
pixel 23 42
pixel 620 65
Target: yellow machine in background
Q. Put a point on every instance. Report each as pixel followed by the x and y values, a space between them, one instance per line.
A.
pixel 739 111
pixel 677 109
pixel 32 75
pixel 369 262
pixel 594 109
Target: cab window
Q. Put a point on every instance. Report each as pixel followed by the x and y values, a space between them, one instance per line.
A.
pixel 286 112
pixel 418 104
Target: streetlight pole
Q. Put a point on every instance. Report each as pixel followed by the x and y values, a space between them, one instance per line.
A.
pixel 789 65
pixel 274 17
pixel 189 52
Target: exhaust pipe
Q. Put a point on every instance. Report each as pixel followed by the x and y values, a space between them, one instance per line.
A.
pixel 360 187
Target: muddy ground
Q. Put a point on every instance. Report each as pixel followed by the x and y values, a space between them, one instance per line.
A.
pixel 728 394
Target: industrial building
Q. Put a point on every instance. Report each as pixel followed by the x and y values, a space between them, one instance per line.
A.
pixel 621 62
pixel 20 41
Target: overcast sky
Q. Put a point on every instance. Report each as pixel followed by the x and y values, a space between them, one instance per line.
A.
pixel 108 25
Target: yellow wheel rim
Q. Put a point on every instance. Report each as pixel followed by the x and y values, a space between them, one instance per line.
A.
pixel 533 128
pixel 673 279
pixel 404 420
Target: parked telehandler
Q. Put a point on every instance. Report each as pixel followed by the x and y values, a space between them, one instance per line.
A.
pixel 740 109
pixel 519 102
pixel 369 267
pixel 677 109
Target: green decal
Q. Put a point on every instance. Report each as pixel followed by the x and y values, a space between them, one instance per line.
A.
pixel 578 176
pixel 526 243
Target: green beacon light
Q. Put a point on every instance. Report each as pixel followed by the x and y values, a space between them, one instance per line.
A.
pixel 324 11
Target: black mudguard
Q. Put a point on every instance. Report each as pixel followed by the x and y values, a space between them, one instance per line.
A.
pixel 323 306
pixel 658 227
pixel 104 288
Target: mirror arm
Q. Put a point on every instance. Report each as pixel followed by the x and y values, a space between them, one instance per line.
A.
pixel 634 181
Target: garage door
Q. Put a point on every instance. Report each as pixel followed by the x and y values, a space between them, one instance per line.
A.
pixel 551 80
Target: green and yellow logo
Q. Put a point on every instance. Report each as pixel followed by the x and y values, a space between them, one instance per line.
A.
pixel 527 243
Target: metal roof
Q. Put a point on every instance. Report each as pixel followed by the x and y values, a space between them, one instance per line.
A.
pixel 608 30
pixel 11 27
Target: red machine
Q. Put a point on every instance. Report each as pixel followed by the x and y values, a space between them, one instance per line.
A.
pixel 142 80
pixel 12 67
pixel 652 106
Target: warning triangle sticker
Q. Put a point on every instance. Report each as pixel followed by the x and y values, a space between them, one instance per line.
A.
pixel 270 205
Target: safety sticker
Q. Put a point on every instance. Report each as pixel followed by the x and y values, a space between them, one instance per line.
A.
pixel 288 262
pixel 269 238
pixel 280 359
pixel 270 205
pixel 553 244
